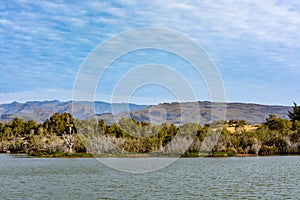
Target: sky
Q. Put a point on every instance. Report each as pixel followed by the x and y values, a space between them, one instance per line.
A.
pixel 255 46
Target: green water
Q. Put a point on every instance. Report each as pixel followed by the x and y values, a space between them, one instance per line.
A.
pixel 277 177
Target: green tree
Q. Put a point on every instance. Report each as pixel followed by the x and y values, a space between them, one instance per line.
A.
pixel 171 131
pixel 102 125
pixel 274 123
pixel 58 123
pixel 18 127
pixel 30 126
pixel 295 114
pixel 115 131
pixel 2 132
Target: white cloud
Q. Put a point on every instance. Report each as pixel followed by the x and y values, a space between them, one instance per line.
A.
pixel 51 38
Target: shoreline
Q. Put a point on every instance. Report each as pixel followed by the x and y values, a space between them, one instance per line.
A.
pixel 142 155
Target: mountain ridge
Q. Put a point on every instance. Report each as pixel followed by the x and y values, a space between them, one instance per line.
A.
pixel 179 113
pixel 166 112
pixel 41 110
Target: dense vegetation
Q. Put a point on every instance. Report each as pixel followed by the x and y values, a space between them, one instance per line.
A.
pixel 62 134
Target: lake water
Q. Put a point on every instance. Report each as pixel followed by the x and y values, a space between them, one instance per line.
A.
pixel 277 177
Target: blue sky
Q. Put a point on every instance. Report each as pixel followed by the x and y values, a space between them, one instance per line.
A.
pixel 254 44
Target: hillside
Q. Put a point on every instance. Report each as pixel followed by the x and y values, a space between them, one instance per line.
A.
pixel 39 111
pixel 168 112
pixel 171 112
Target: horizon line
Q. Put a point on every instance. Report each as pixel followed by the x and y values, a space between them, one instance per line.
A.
pixel 135 103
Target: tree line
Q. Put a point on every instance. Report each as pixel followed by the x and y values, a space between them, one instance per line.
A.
pixel 61 133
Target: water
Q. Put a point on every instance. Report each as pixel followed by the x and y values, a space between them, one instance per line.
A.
pixel 22 177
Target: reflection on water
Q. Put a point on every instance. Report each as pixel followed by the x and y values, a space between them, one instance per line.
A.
pixel 22 177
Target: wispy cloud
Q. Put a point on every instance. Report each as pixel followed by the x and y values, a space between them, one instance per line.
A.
pixel 43 43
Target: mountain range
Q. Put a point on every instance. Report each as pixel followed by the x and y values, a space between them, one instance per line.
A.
pixel 166 112
pixel 202 112
pixel 39 111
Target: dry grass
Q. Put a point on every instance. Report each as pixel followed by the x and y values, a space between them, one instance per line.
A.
pixel 249 128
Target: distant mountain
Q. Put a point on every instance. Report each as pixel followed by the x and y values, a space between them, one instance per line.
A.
pixel 168 112
pixel 187 112
pixel 41 110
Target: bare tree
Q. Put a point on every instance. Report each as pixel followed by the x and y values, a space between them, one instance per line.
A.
pixel 69 138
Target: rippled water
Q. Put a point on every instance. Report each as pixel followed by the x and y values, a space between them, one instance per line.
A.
pixel 22 177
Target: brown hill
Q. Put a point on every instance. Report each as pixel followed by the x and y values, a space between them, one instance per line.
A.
pixel 178 113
